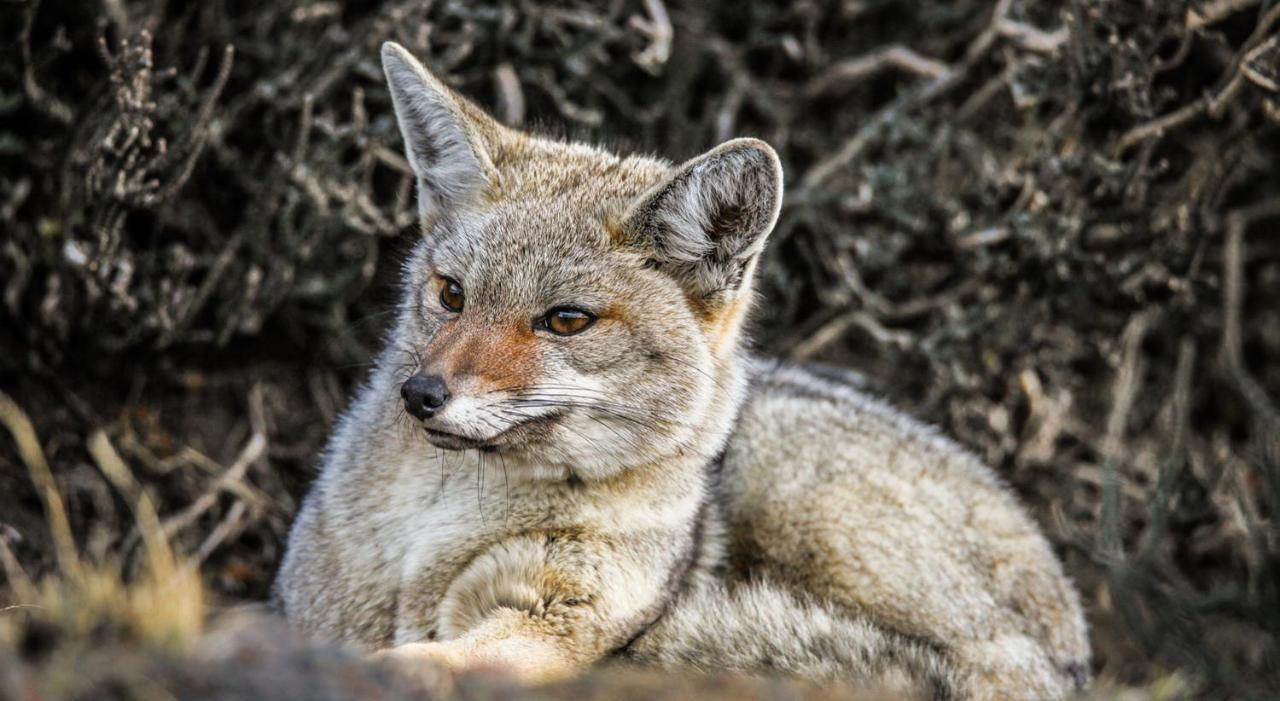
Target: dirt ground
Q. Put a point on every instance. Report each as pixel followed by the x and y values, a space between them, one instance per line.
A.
pixel 1048 227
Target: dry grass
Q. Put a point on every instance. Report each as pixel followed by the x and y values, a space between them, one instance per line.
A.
pixel 88 606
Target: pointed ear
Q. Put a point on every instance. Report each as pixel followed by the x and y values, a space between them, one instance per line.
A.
pixel 449 142
pixel 707 221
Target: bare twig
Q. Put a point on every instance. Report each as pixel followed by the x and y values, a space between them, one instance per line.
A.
pixel 835 329
pixel 1033 38
pixel 1211 104
pixel 252 451
pixel 1231 355
pixel 660 32
pixel 38 96
pixel 853 147
pixel 159 555
pixel 1171 466
pixel 510 94
pixel 1215 11
pixel 859 68
pixel 23 588
pixel 231 525
pixel 24 434
pixel 1125 389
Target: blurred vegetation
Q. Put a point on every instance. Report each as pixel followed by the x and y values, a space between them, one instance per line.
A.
pixel 1047 226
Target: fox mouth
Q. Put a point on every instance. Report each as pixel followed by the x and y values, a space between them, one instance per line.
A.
pixel 515 436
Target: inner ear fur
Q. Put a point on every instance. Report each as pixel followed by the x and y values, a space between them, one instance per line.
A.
pixel 708 220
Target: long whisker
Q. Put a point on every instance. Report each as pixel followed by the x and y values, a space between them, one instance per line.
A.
pixel 597 398
pixel 440 459
pixel 480 487
pixel 573 392
pixel 506 487
pixel 637 415
pixel 613 413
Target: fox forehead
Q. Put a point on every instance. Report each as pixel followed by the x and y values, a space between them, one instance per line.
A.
pixel 548 231
pixel 541 169
pixel 534 252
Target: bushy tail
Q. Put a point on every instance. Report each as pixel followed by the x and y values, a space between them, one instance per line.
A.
pixel 761 628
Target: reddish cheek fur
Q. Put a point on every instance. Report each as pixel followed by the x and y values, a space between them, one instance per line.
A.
pixel 500 358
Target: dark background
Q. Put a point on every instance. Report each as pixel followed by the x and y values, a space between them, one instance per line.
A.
pixel 1049 227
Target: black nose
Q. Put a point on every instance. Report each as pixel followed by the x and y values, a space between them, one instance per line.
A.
pixel 424 395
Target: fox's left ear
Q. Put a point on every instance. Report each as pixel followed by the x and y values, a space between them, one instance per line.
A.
pixel 707 221
pixel 450 142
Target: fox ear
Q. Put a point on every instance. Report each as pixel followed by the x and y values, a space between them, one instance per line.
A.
pixel 707 221
pixel 448 140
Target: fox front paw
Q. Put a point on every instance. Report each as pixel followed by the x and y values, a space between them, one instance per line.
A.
pixel 436 664
pixel 433 665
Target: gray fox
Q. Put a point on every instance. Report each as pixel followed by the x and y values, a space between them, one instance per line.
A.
pixel 565 454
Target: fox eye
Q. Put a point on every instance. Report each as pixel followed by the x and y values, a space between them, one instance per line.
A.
pixel 451 296
pixel 566 321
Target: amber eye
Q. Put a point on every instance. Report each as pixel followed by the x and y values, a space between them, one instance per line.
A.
pixel 566 321
pixel 451 296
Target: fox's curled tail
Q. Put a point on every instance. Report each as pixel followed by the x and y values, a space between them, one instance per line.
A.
pixel 758 628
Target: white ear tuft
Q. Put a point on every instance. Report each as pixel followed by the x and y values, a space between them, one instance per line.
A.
pixel 707 221
pixel 442 142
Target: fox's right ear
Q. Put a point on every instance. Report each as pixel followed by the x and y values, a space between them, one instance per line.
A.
pixel 448 140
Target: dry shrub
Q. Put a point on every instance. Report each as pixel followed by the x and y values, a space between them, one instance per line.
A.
pixel 1042 225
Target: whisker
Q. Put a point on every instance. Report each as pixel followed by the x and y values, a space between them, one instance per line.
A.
pixel 506 486
pixel 480 487
pixel 440 459
pixel 616 413
pixel 621 413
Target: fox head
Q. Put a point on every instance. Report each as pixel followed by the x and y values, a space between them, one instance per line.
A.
pixel 578 311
